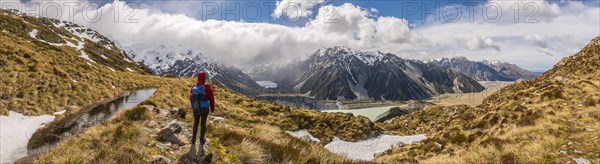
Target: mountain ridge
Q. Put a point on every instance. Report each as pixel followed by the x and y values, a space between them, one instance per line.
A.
pixel 343 73
pixel 484 70
pixel 183 61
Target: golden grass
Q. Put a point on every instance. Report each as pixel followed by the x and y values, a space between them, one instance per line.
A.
pixel 551 119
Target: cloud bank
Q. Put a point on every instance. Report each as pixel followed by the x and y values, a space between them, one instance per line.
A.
pixel 557 28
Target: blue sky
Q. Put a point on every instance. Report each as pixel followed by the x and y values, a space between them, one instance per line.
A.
pixel 532 34
pixel 260 10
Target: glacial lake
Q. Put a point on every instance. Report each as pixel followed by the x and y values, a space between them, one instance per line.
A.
pixel 370 113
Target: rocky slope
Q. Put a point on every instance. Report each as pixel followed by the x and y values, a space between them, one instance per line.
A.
pixel 183 61
pixel 550 119
pixel 343 73
pixel 484 70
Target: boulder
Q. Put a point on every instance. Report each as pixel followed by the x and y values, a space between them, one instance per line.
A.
pixel 177 112
pixel 581 160
pixel 218 120
pixel 159 159
pixel 149 108
pixel 175 126
pixel 194 156
pixel 162 113
pixel 167 134
pixel 153 124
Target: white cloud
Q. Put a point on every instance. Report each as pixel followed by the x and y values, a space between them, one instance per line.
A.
pixel 564 27
pixel 536 40
pixel 564 35
pixel 481 42
pixel 295 8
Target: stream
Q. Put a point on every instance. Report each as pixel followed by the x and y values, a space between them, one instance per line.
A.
pixel 44 139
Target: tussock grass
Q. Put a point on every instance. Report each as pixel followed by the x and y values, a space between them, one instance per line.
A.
pixel 271 145
pixel 137 114
pixel 250 152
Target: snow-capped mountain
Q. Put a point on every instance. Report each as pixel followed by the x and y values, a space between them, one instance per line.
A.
pixel 484 70
pixel 344 73
pixel 183 61
pixel 511 70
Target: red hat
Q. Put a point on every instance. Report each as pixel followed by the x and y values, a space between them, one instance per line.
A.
pixel 201 78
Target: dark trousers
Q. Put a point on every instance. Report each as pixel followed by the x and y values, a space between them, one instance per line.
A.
pixel 201 117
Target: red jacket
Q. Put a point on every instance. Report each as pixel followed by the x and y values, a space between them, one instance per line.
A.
pixel 209 91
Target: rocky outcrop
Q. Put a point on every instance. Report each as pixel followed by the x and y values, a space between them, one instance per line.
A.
pixel 401 110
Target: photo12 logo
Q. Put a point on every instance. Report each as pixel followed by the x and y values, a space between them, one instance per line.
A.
pixel 283 11
pixel 92 12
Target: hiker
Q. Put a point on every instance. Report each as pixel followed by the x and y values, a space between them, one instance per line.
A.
pixel 201 98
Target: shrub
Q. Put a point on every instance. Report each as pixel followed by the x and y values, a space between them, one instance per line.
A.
pixel 554 93
pixel 494 141
pixel 125 131
pixel 262 112
pixel 239 101
pixel 590 101
pixel 594 114
pixel 137 114
pixel 148 102
pixel 509 158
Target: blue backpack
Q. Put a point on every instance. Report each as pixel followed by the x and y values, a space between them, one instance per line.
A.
pixel 199 98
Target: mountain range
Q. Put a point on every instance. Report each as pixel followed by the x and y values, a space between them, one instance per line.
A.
pixel 343 73
pixel 485 70
pixel 180 61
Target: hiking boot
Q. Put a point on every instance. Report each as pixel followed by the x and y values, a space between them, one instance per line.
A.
pixel 202 141
pixel 193 141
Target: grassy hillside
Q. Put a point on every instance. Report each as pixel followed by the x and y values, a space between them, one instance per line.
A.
pixel 553 118
pixel 46 73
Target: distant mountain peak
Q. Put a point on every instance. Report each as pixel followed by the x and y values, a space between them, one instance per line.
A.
pixel 484 70
pixel 344 53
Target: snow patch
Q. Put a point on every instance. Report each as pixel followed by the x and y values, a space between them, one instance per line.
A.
pixel 303 133
pixel 366 149
pixel 111 69
pixel 59 112
pixel 33 34
pixel 129 69
pixel 103 57
pixel 126 59
pixel 86 57
pixel 16 129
